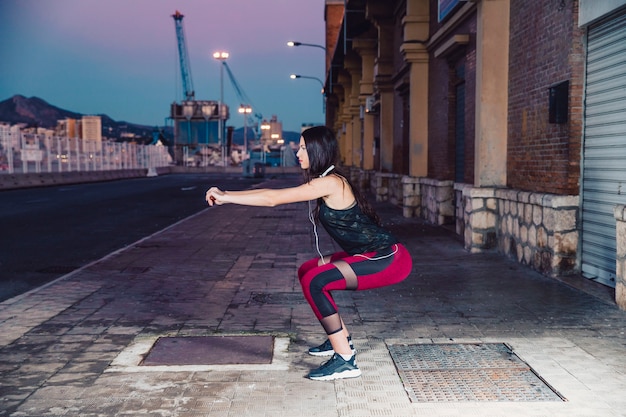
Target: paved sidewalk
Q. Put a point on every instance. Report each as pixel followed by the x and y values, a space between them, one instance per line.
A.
pixel 74 347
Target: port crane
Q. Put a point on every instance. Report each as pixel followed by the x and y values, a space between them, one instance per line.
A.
pixel 185 68
pixel 244 100
pixel 196 122
pixel 202 122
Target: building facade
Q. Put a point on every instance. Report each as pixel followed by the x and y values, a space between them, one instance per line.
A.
pixel 504 118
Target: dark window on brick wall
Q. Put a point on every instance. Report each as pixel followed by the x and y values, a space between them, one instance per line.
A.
pixel 558 99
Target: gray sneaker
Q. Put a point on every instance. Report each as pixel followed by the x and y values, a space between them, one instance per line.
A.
pixel 326 349
pixel 336 368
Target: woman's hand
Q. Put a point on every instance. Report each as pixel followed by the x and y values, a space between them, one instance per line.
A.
pixel 214 196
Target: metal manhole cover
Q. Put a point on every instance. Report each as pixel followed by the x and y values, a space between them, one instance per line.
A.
pixel 210 350
pixel 449 356
pixel 467 372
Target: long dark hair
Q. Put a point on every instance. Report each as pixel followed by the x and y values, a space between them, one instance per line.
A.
pixel 323 151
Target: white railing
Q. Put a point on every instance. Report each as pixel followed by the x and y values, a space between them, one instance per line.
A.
pixel 31 153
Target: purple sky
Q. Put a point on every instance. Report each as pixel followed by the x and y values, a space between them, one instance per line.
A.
pixel 120 58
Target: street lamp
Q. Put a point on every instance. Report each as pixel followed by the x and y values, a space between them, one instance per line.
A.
pixel 314 45
pixel 294 76
pixel 294 43
pixel 245 110
pixel 221 56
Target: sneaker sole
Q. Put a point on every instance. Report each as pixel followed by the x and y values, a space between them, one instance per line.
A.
pixel 327 353
pixel 352 373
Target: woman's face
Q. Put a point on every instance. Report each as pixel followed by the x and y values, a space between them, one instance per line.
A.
pixel 303 156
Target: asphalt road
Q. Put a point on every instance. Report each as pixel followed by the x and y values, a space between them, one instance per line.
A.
pixel 48 232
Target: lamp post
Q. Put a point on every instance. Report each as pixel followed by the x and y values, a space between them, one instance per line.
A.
pixel 222 57
pixel 294 76
pixel 245 110
pixel 266 133
pixel 330 67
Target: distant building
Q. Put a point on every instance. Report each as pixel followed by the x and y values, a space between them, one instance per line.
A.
pixel 91 127
pixel 271 132
pixel 66 128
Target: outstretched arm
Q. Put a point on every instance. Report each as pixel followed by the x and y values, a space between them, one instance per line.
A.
pixel 268 197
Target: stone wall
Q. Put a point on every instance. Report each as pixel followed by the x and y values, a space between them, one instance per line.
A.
pixel 480 215
pixel 411 197
pixel 424 198
pixel 437 201
pixel 538 230
pixel 387 187
pixel 620 244
pixel 459 208
pixel 535 229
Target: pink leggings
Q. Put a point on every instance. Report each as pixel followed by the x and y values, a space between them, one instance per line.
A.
pixel 370 270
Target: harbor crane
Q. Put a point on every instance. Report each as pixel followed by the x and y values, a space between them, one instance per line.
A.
pixel 198 124
pixel 185 68
pixel 243 99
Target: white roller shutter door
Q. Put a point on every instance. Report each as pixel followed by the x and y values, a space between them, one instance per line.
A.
pixel 604 147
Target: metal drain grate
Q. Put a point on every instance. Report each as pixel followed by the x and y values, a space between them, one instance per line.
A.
pixel 467 372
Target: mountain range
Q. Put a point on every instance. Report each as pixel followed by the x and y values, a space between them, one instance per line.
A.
pixel 36 112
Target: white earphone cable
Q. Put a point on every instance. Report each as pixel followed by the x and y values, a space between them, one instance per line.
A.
pixel 378 258
pixel 317 239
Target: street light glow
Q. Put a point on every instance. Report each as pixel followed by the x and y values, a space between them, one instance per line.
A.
pixel 330 68
pixel 221 55
pixel 295 43
pixel 294 76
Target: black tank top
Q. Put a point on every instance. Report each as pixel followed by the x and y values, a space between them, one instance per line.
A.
pixel 354 231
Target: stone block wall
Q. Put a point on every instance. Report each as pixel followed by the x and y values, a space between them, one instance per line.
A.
pixel 536 229
pixel 387 187
pixel 459 208
pixel 539 230
pixel 480 217
pixel 411 197
pixel 425 198
pixel 620 245
pixel 437 201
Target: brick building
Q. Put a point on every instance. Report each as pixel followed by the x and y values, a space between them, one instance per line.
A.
pixel 504 118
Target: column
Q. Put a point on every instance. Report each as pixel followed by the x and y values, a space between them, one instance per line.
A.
pixel 366 48
pixel 492 69
pixel 382 17
pixel 352 109
pixel 416 32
